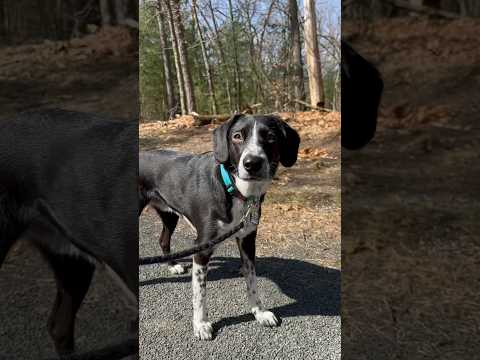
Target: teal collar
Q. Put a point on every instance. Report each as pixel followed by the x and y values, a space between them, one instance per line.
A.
pixel 227 180
pixel 251 209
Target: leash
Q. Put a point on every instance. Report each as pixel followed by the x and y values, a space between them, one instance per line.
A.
pixel 251 216
pixel 196 249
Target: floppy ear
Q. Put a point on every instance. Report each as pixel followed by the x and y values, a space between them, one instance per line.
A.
pixel 220 139
pixel 289 147
pixel 362 88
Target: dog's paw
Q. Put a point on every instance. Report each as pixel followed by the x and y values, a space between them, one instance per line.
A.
pixel 203 330
pixel 176 269
pixel 265 317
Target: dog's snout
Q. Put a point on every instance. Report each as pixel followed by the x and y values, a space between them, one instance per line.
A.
pixel 252 163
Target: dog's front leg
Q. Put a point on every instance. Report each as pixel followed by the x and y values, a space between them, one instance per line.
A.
pixel 202 328
pixel 246 246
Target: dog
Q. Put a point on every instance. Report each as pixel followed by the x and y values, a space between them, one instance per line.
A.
pixel 67 185
pixel 362 88
pixel 210 191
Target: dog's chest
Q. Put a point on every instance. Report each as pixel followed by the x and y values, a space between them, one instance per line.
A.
pixel 239 212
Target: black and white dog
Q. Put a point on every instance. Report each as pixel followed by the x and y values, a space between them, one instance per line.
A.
pixel 249 148
pixel 68 185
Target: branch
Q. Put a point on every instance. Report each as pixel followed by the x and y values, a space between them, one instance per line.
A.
pixel 201 120
pixel 311 106
pixel 423 9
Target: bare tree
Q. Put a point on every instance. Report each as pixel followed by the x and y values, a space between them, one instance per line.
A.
pixel 296 65
pixel 105 12
pixel 238 84
pixel 173 36
pixel 314 67
pixel 221 52
pixel 115 12
pixel 120 9
pixel 182 54
pixel 167 66
pixel 208 69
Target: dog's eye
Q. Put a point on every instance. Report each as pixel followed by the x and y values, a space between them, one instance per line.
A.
pixel 271 137
pixel 237 137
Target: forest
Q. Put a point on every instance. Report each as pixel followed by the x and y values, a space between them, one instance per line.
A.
pixel 222 56
pixel 29 21
pixel 374 9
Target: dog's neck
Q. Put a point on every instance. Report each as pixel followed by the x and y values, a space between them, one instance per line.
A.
pixel 250 188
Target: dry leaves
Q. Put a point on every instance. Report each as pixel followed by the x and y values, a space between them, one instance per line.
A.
pixel 35 61
pixel 312 153
pixel 407 116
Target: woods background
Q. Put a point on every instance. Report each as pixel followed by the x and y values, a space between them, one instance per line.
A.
pixel 234 55
pixel 24 20
pixel 374 9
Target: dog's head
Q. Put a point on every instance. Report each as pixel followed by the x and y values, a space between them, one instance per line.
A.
pixel 253 145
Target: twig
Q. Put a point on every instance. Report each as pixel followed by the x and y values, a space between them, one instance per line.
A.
pixel 311 106
pixel 424 9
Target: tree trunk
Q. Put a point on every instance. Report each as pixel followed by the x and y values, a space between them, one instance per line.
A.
pixel 120 8
pixel 222 56
pixel 167 65
pixel 314 66
pixel 238 85
pixel 176 56
pixel 337 93
pixel 254 57
pixel 208 69
pixel 183 56
pixel 105 13
pixel 296 54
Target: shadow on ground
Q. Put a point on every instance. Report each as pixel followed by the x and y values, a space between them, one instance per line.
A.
pixel 315 289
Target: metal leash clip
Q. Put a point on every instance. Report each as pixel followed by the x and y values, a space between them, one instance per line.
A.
pixel 252 211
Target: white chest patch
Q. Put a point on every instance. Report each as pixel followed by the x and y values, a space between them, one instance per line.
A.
pixel 250 187
pixel 237 212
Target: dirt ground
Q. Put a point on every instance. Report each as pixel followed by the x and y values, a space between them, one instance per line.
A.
pixel 305 197
pixel 410 253
pixel 98 73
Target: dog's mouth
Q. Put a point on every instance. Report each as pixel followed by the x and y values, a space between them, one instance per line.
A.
pixel 253 178
pixel 249 177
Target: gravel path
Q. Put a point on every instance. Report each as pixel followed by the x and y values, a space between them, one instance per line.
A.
pixel 304 295
pixel 27 293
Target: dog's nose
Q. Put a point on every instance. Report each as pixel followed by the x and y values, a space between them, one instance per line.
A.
pixel 252 163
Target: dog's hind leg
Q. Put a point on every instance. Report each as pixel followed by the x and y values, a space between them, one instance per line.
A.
pixel 73 275
pixel 142 201
pixel 246 246
pixel 169 221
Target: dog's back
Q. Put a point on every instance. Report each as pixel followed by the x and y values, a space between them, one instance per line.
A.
pixel 186 170
pixel 77 165
pixel 67 185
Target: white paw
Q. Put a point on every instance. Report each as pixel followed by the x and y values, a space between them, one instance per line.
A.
pixel 266 318
pixel 203 330
pixel 176 269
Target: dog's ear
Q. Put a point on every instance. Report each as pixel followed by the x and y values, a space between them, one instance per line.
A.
pixel 290 144
pixel 220 139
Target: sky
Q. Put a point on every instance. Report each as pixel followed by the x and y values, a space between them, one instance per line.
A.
pixel 333 4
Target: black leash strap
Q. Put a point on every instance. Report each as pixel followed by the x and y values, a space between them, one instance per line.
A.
pixel 191 251
pixel 112 352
